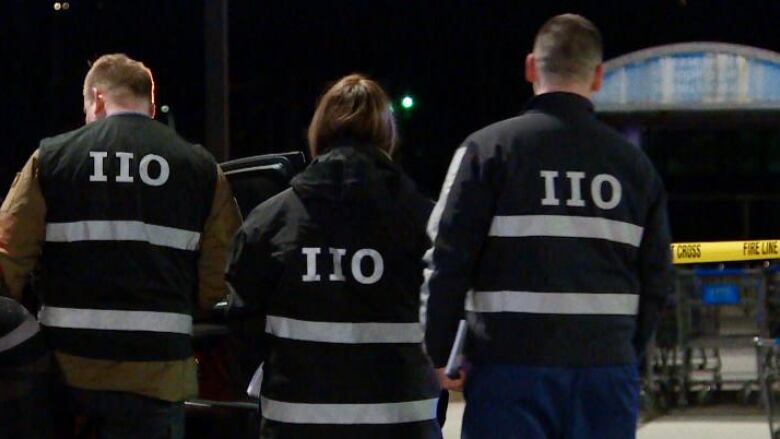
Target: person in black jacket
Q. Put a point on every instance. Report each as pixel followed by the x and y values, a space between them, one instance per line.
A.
pixel 552 229
pixel 334 265
pixel 124 227
pixel 25 375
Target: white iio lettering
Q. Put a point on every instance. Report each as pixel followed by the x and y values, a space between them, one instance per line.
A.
pixel 312 272
pixel 124 167
pixel 143 170
pixel 98 157
pixel 575 199
pixel 338 273
pixel 615 189
pixel 575 180
pixel 549 188
pixel 357 271
pixel 311 264
pixel 125 161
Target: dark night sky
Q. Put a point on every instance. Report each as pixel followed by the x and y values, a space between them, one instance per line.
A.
pixel 462 60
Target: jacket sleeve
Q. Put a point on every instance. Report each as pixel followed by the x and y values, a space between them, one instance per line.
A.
pixel 457 228
pixel 252 273
pixel 656 273
pixel 222 223
pixel 22 228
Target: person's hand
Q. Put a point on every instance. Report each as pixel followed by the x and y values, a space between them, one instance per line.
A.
pixel 449 383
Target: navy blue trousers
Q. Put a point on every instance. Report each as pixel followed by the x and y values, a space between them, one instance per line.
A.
pixel 518 402
pixel 118 415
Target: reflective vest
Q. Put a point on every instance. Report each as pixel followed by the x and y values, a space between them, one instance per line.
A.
pixel 126 202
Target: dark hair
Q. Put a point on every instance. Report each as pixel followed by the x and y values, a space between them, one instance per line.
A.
pixel 119 75
pixel 568 47
pixel 354 109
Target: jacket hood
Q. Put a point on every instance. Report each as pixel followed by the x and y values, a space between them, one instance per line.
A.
pixel 351 175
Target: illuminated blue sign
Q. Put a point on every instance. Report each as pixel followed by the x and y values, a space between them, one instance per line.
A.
pixel 720 294
pixel 691 76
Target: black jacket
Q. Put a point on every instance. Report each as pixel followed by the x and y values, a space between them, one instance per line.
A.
pixel 25 374
pixel 334 265
pixel 553 230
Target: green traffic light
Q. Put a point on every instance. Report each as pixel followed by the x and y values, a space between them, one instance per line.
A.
pixel 407 102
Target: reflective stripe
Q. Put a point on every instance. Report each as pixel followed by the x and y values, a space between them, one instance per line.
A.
pixel 516 226
pixel 552 303
pixel 449 180
pixel 339 332
pixel 113 320
pixel 425 289
pixel 123 231
pixel 386 413
pixel 432 229
pixel 20 334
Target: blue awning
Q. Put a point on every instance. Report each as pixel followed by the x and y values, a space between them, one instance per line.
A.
pixel 691 77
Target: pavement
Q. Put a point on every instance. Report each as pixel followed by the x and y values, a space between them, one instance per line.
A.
pixel 727 421
pixel 718 422
pixel 454 416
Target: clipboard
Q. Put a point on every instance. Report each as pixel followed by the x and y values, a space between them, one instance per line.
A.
pixel 255 383
pixel 455 361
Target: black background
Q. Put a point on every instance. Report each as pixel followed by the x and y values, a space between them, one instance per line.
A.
pixel 461 60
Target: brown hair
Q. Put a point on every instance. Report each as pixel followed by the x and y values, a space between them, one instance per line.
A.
pixel 354 109
pixel 568 47
pixel 119 75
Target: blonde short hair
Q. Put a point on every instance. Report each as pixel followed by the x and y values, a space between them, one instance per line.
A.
pixel 119 75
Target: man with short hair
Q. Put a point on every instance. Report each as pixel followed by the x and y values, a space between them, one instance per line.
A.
pixel 128 225
pixel 552 229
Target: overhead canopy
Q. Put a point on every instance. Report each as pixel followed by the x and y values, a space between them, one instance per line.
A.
pixel 691 77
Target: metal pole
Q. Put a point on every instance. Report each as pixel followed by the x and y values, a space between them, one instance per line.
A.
pixel 216 74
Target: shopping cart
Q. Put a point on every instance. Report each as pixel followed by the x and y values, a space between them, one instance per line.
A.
pixel 659 383
pixel 768 354
pixel 717 310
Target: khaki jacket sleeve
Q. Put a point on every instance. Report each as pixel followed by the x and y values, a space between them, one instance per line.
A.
pixel 221 225
pixel 22 228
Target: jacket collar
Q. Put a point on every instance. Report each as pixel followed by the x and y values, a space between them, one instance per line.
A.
pixel 562 104
pixel 128 113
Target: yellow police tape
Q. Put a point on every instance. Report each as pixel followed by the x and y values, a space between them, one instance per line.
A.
pixel 725 251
